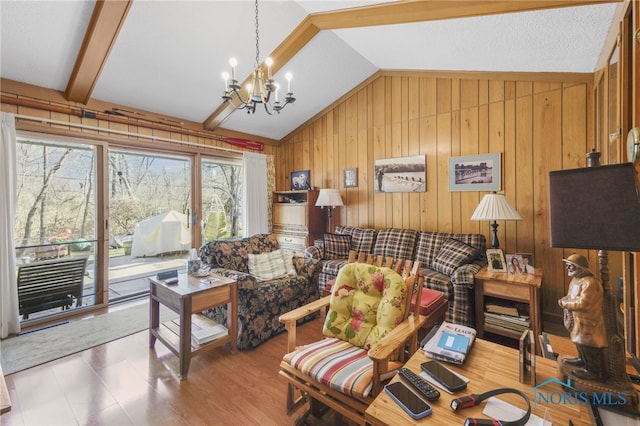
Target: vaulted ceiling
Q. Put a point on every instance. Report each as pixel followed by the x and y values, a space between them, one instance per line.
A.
pixel 167 57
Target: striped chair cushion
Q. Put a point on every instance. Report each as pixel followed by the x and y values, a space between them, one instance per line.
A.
pixel 339 365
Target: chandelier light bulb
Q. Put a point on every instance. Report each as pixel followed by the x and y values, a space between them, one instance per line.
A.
pixel 233 62
pixel 277 86
pixel 288 76
pixel 269 62
pixel 225 77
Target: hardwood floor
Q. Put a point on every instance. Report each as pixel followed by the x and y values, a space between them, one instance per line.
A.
pixel 124 382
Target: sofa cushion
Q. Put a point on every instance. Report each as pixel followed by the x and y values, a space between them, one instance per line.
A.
pixel 267 266
pixel 289 264
pixel 362 239
pixel 453 254
pixel 395 243
pixel 336 246
pixel 429 244
pixel 232 254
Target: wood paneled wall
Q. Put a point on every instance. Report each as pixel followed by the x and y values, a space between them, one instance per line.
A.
pixel 537 126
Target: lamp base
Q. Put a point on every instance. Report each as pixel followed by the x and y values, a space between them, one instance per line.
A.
pixel 494 238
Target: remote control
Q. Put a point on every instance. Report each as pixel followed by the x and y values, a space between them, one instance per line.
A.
pixel 420 384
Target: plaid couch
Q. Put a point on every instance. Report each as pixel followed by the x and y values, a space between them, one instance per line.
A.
pixel 260 303
pixel 449 261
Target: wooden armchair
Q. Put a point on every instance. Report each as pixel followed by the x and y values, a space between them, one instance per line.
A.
pixel 369 330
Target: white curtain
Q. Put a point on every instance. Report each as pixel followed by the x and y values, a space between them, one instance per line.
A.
pixel 255 194
pixel 9 316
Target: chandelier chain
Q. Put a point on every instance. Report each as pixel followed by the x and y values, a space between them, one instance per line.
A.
pixel 257 38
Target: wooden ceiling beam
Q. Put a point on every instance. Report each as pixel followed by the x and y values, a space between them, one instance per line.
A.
pixel 404 12
pixel 106 21
pixel 400 12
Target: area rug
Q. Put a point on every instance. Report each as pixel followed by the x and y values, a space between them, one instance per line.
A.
pixel 34 348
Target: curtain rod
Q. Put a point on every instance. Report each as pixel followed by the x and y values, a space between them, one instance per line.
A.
pixel 122 132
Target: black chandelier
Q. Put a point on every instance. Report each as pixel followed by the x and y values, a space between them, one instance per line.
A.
pixel 259 90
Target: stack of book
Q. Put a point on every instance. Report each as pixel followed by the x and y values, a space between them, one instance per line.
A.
pixel 204 329
pixel 449 342
pixel 512 317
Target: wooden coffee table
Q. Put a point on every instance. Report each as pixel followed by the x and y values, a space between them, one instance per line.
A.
pixel 191 295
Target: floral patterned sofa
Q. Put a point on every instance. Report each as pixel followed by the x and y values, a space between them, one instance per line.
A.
pixel 261 300
pixel 449 261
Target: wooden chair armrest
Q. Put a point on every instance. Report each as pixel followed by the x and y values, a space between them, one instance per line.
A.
pixel 305 310
pixel 290 319
pixel 397 337
pixel 393 343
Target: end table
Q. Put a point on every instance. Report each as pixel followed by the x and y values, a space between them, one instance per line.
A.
pixel 191 295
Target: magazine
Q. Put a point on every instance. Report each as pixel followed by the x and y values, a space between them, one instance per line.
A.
pixel 449 342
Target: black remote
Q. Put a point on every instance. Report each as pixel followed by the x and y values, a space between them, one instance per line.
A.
pixel 420 384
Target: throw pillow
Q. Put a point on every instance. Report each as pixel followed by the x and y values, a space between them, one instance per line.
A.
pixel 287 258
pixel 453 254
pixel 267 266
pixel 336 246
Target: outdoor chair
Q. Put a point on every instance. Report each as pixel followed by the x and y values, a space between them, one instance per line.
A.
pixel 368 319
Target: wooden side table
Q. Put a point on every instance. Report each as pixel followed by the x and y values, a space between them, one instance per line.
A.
pixel 520 288
pixel 191 295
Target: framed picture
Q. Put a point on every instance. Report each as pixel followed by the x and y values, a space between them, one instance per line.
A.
pixel 475 173
pixel 527 358
pixel 350 178
pixel 300 180
pixel 527 262
pixel 401 174
pixel 496 260
pixel 514 264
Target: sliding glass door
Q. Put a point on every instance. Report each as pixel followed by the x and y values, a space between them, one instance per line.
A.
pixel 149 218
pixel 55 219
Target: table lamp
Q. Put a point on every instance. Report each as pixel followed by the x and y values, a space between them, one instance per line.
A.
pixel 329 198
pixel 598 208
pixel 495 207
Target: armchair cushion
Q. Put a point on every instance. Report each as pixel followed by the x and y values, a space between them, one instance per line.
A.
pixel 337 246
pixel 452 255
pixel 366 303
pixel 267 266
pixel 339 365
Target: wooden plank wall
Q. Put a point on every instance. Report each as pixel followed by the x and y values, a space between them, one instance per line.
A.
pixel 537 126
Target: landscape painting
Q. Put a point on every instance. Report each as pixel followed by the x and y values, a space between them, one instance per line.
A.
pixel 475 173
pixel 401 174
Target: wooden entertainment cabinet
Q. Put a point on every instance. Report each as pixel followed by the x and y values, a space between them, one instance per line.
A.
pixel 297 222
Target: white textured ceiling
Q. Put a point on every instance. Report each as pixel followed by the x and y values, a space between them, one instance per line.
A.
pixel 169 55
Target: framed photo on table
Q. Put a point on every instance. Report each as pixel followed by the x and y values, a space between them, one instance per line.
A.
pixel 496 260
pixel 514 264
pixel 527 262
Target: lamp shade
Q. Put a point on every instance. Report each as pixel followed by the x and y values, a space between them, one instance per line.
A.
pixel 595 208
pixel 495 207
pixel 329 197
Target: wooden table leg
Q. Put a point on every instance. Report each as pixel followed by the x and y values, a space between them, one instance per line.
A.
pixel 185 337
pixel 154 316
